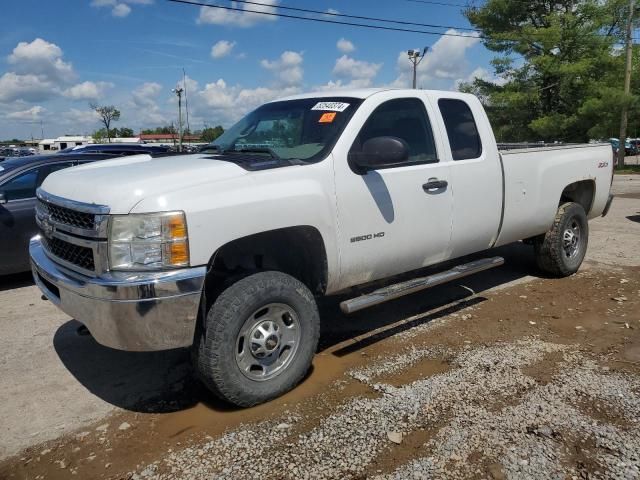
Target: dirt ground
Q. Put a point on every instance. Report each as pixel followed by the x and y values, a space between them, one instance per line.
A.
pixel 505 375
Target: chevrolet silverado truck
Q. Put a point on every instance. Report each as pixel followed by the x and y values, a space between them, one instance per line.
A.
pixel 225 251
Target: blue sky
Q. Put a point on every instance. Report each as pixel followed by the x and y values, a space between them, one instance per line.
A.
pixel 57 56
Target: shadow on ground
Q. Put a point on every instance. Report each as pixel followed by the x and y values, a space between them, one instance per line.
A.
pixel 16 280
pixel 634 218
pixel 161 382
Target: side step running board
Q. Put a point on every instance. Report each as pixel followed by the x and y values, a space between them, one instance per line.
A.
pixel 415 285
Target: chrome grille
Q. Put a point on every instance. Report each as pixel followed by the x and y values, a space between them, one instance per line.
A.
pixel 77 255
pixel 66 216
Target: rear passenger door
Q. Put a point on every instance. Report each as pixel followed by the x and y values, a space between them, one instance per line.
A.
pixel 389 220
pixel 476 173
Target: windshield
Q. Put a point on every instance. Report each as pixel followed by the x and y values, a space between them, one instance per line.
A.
pixel 302 129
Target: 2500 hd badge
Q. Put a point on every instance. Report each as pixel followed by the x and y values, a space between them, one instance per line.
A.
pixel 367 237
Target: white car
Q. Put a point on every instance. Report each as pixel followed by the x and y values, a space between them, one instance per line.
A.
pixel 224 251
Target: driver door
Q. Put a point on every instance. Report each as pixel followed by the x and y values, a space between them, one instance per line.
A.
pixel 389 220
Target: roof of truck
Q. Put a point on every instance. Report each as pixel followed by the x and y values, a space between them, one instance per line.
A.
pixel 355 93
pixel 359 93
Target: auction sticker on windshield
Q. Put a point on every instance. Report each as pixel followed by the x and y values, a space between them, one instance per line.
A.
pixel 327 117
pixel 331 106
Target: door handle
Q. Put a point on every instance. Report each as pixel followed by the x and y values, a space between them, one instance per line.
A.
pixel 435 184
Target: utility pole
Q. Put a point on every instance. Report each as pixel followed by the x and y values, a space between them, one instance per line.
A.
pixel 627 86
pixel 416 57
pixel 178 92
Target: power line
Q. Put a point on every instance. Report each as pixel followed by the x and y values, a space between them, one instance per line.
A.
pixel 322 20
pixel 443 4
pixel 351 24
pixel 356 17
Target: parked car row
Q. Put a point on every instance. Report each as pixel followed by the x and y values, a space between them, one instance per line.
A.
pixel 631 145
pixel 9 152
pixel 20 176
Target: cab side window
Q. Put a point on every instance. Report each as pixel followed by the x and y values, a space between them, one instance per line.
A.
pixel 404 118
pixel 461 129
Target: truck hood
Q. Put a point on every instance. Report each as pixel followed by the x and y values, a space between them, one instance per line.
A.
pixel 123 182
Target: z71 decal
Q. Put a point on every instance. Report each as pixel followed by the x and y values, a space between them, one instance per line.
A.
pixel 603 164
pixel 367 237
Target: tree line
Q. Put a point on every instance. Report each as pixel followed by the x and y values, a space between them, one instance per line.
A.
pixel 109 114
pixel 559 69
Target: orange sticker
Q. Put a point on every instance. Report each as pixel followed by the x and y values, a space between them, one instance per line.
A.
pixel 327 117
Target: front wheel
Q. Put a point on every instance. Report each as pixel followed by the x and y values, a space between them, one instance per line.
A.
pixel 563 248
pixel 259 339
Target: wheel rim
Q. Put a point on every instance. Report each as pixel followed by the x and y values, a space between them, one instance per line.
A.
pixel 571 239
pixel 268 341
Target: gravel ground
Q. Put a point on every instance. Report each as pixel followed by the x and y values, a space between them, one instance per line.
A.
pixel 503 376
pixel 496 415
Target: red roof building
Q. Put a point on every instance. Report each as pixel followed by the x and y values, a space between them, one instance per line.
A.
pixel 168 137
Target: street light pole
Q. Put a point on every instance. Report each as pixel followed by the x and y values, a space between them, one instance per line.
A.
pixel 415 57
pixel 627 87
pixel 178 92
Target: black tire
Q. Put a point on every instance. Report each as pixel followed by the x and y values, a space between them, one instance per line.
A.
pixel 215 350
pixel 553 255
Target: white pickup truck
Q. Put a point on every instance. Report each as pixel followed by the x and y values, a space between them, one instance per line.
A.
pixel 224 251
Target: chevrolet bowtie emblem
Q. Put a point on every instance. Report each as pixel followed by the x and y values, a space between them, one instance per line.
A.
pixel 47 227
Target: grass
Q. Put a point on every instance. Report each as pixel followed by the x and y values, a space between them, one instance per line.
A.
pixel 628 169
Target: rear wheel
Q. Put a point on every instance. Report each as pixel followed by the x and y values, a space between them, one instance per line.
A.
pixel 259 339
pixel 563 248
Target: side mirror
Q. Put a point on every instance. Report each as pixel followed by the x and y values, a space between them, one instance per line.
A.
pixel 3 199
pixel 380 152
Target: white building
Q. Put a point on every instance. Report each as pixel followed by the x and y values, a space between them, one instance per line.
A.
pixel 67 141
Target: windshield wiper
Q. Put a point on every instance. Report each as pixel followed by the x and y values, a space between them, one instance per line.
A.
pixel 213 147
pixel 256 150
pixel 270 151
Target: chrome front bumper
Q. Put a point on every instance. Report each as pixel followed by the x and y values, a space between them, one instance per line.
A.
pixel 126 311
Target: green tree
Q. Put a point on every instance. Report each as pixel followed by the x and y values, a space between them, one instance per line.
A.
pixel 99 135
pixel 108 114
pixel 125 132
pixel 560 72
pixel 159 130
pixel 209 134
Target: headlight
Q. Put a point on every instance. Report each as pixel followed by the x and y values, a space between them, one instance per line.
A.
pixel 148 241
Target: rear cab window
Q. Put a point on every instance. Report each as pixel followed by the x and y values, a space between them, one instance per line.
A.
pixel 462 130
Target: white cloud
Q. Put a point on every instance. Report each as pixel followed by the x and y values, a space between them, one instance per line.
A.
pixel 352 69
pixel 119 8
pixel 345 46
pixel 30 115
pixel 144 96
pixel 188 83
pixel 222 48
pixel 288 68
pixel 482 74
pixel 227 104
pixel 87 90
pixel 144 100
pixel 41 58
pixel 87 119
pixel 333 11
pixel 30 88
pixel 219 16
pixel 443 64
